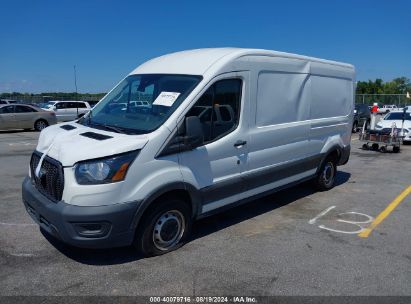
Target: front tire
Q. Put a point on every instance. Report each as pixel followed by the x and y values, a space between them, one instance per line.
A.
pixel 164 228
pixel 325 178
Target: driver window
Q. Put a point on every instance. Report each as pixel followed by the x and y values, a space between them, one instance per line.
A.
pixel 218 109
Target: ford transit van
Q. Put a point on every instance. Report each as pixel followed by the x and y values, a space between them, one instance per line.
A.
pixel 219 127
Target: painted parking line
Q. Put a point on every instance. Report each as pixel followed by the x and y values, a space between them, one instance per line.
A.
pixel 16 224
pixel 386 212
pixel 21 144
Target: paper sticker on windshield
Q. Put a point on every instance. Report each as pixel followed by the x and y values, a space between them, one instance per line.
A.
pixel 166 99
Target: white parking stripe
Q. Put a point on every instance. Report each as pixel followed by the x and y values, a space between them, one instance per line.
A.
pixel 14 224
pixel 313 220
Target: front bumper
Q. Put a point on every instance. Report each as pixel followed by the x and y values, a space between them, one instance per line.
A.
pixel 78 225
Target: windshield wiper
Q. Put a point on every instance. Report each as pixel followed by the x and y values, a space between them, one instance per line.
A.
pixel 113 128
pixel 108 127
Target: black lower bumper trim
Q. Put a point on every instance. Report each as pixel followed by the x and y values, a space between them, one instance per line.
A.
pixel 59 220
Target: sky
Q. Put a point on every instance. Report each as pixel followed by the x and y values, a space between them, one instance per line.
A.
pixel 41 41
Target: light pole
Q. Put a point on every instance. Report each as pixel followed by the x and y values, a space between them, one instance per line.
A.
pixel 75 84
pixel 75 78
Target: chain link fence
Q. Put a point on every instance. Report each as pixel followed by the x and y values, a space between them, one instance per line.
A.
pixel 37 99
pixel 400 100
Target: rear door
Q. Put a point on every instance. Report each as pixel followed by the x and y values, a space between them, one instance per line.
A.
pixel 24 116
pixel 280 151
pixel 217 166
pixel 72 110
pixel 7 118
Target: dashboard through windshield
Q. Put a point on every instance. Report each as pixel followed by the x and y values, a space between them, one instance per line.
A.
pixel 141 103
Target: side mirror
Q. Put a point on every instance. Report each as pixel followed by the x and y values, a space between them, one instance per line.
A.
pixel 194 132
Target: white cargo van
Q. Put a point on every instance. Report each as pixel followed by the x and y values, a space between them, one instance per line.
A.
pixel 223 126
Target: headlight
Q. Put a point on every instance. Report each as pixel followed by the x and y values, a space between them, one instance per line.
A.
pixel 379 125
pixel 104 170
pixel 355 111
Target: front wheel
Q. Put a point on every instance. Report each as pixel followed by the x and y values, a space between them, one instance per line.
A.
pixel 325 178
pixel 40 125
pixel 164 228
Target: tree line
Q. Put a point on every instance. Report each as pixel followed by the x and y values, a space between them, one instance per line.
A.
pixel 400 85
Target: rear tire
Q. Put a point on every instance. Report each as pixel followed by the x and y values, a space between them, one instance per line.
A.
pixel 40 124
pixel 164 228
pixel 325 178
pixel 355 127
pixel 396 149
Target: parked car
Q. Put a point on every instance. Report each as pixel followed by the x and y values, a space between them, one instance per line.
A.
pixel 67 110
pixel 387 123
pixel 115 178
pixel 7 101
pixel 362 115
pixel 387 108
pixel 25 117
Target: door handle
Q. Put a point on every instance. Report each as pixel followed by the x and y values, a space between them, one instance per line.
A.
pixel 240 143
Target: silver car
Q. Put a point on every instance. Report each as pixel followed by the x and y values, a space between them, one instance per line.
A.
pixel 25 117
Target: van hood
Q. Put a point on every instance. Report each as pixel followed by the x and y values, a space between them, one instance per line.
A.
pixel 70 146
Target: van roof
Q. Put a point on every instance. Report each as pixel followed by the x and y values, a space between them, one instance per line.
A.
pixel 198 61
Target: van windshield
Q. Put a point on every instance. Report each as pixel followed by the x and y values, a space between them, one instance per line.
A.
pixel 141 103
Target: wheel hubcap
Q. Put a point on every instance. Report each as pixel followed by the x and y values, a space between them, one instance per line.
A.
pixel 168 230
pixel 41 125
pixel 328 174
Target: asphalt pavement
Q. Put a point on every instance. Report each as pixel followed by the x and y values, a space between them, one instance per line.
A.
pixel 295 242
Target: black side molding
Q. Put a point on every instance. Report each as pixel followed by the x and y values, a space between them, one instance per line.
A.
pixel 96 136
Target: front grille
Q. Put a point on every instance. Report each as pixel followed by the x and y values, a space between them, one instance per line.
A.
pixel 50 181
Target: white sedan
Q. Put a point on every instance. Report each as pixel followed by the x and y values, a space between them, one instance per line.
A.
pixel 394 119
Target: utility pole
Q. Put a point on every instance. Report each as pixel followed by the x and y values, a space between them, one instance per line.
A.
pixel 75 78
pixel 75 84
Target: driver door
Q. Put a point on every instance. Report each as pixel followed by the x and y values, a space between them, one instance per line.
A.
pixel 217 166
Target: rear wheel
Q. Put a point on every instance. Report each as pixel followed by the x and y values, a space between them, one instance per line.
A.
pixel 325 179
pixel 367 123
pixel 355 127
pixel 164 228
pixel 396 149
pixel 40 125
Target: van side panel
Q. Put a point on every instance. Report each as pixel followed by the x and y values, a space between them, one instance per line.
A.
pixel 332 104
pixel 279 132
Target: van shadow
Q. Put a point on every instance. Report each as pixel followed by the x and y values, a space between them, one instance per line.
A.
pixel 201 228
